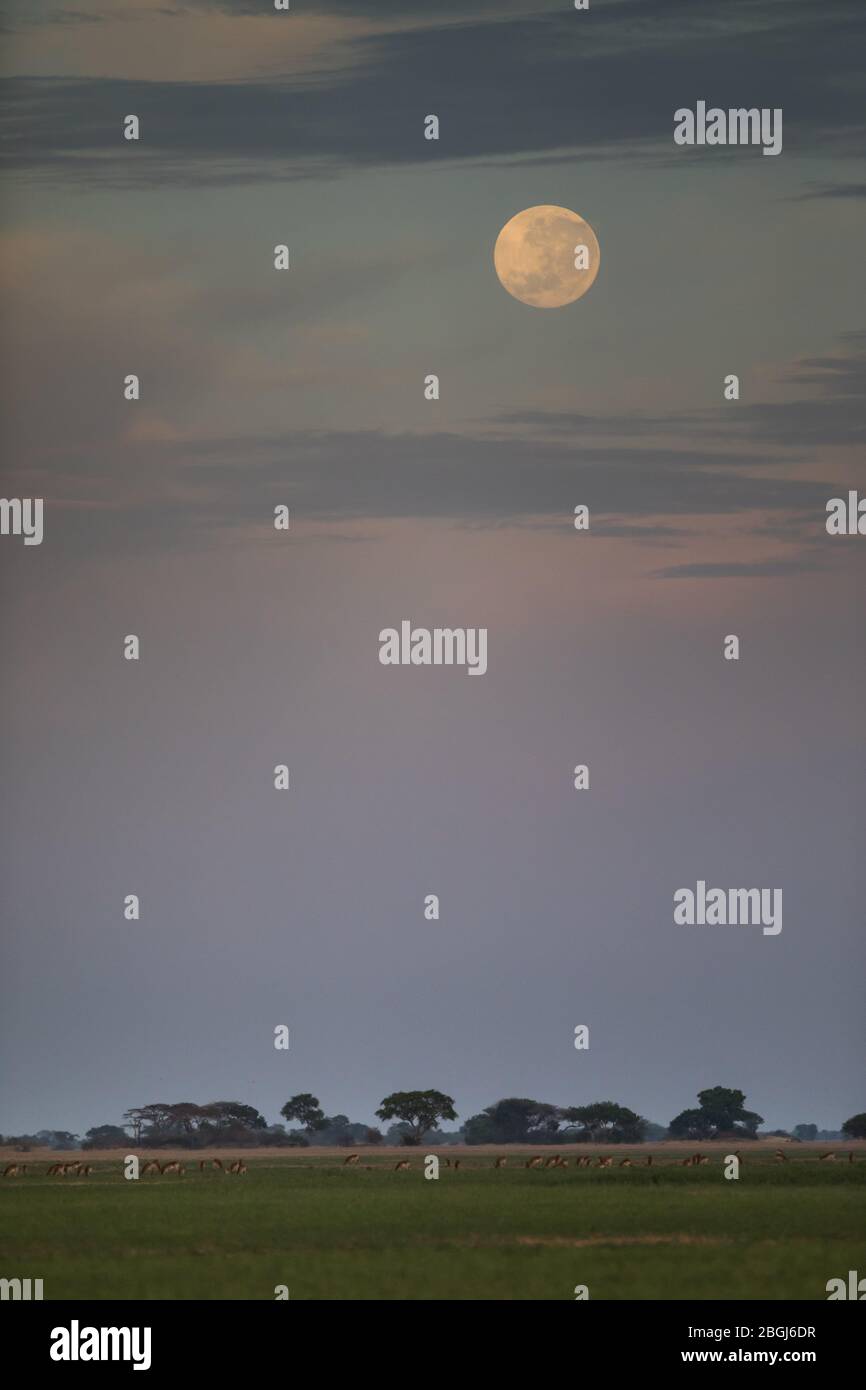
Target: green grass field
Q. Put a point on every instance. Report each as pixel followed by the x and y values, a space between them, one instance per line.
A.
pixel 327 1232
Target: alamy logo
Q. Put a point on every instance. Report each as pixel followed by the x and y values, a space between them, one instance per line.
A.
pixel 22 516
pixel 856 1288
pixel 738 126
pixel 21 1289
pixel 846 518
pixel 441 646
pixel 733 907
pixel 76 1343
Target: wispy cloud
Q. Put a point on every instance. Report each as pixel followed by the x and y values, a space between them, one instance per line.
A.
pixel 607 87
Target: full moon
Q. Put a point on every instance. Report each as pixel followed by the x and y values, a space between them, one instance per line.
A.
pixel 546 256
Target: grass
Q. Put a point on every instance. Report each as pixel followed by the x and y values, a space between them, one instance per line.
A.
pixel 327 1232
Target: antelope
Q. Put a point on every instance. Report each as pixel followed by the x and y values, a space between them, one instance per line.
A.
pixel 399 1167
pixel 685 1163
pixel 605 1162
pixel 702 1159
pixel 86 1171
pixel 499 1162
pixel 238 1167
pixel 72 1168
pixel 553 1162
pixel 53 1170
pixel 780 1157
pixel 456 1163
pixel 11 1170
pixel 827 1158
pixel 151 1165
pixel 202 1164
pixel 217 1163
pixel 851 1156
pixel 534 1162
pixel 625 1163
pixel 648 1161
pixel 173 1167
pixel 352 1158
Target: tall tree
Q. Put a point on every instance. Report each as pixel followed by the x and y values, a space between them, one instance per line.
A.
pixel 305 1109
pixel 515 1120
pixel 721 1112
pixel 418 1109
pixel 106 1137
pixel 855 1128
pixel 605 1122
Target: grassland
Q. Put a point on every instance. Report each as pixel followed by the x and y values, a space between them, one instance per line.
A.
pixel 367 1232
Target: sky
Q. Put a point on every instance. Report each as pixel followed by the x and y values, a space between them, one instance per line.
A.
pixel 306 388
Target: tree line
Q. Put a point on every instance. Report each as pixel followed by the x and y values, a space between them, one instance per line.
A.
pixel 416 1115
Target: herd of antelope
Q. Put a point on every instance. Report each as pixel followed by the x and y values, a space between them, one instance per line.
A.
pixel 696 1160
pixel 83 1170
pixel 238 1167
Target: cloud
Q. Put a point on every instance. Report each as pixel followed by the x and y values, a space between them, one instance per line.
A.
pixel 828 409
pixel 832 190
pixel 748 569
pixel 607 87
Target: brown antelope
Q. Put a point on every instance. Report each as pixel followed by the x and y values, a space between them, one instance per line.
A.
pixel 535 1162
pixel 173 1167
pixel 238 1167
pixel 11 1170
pixel 552 1162
pixel 456 1163
pixel 499 1162
pixel 702 1159
pixel 352 1158
pixel 217 1163
pixel 851 1156
pixel 780 1157
pixel 605 1162
pixel 625 1163
pixel 151 1166
pixel 86 1171
pixel 648 1161
pixel 71 1168
pixel 53 1170
pixel 399 1167
pixel 202 1164
pixel 827 1158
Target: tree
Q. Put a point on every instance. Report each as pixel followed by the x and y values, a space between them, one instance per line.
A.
pixel 605 1122
pixel 418 1109
pixel 806 1133
pixel 515 1120
pixel 720 1115
pixel 57 1138
pixel 690 1124
pixel 106 1137
pixel 233 1114
pixel 305 1109
pixel 855 1128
